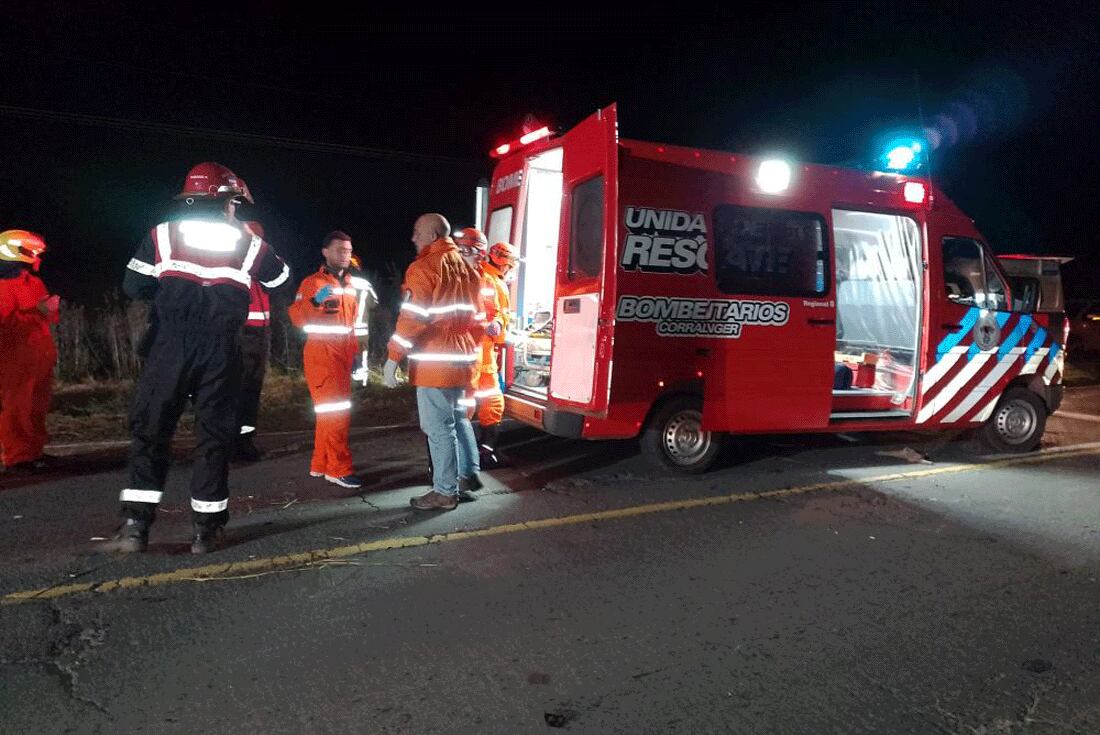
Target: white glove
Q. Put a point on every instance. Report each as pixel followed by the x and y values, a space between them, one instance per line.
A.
pixel 389 374
pixel 493 329
pixel 361 373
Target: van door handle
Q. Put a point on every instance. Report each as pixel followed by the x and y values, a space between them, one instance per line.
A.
pixel 821 322
pixel 951 327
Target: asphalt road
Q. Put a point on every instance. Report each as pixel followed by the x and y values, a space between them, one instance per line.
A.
pixel 812 584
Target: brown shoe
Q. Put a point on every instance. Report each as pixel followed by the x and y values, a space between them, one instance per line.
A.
pixel 433 500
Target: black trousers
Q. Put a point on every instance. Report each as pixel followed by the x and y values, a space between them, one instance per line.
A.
pixel 255 350
pixel 205 368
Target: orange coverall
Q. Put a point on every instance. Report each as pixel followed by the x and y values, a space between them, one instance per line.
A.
pixel 495 302
pixel 333 330
pixel 26 372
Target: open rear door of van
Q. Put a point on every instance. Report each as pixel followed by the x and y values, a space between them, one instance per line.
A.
pixel 584 303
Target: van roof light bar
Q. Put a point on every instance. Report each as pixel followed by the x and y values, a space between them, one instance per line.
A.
pixel 524 140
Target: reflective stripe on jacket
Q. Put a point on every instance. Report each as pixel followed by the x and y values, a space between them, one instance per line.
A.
pixel 259 308
pixel 441 319
pixel 342 317
pixel 497 304
pixel 199 272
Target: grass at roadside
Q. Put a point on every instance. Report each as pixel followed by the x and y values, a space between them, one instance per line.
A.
pixel 97 411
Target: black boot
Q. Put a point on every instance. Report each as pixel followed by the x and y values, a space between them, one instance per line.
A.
pixel 207 539
pixel 467 486
pixel 487 446
pixel 246 450
pixel 132 537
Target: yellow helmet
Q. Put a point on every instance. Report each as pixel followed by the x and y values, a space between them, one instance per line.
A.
pixel 20 246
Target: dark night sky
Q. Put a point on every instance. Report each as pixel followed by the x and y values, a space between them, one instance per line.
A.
pixel 1013 93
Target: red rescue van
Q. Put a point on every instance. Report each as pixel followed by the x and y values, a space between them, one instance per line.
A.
pixel 683 294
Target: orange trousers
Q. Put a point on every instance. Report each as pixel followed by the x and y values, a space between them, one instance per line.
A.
pixel 328 374
pixel 490 401
pixel 26 385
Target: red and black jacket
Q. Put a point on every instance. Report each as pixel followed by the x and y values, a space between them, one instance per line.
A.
pixel 199 271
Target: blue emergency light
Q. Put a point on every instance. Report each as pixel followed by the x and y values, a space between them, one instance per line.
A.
pixel 903 155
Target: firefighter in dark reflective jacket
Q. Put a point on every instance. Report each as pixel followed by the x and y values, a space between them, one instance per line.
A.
pixel 197 268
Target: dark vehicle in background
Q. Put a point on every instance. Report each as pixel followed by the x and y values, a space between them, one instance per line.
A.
pixel 1084 327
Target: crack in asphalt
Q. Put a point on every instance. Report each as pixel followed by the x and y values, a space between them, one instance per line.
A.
pixel 74 643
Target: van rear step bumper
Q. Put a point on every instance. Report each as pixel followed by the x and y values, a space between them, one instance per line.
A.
pixel 530 410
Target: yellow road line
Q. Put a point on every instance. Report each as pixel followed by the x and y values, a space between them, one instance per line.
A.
pixel 233 569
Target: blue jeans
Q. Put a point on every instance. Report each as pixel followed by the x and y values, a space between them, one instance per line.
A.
pixel 450 437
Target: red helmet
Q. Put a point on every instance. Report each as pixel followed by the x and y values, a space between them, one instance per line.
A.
pixel 471 238
pixel 503 254
pixel 210 180
pixel 20 246
pixel 256 227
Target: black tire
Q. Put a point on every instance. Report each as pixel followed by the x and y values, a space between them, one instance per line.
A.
pixel 674 440
pixel 1017 423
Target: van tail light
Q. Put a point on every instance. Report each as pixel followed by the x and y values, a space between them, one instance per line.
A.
pixel 915 192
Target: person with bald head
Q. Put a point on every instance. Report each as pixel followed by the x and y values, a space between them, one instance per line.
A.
pixel 438 330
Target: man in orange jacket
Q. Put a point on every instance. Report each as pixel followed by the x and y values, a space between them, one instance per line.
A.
pixel 438 330
pixel 26 372
pixel 331 308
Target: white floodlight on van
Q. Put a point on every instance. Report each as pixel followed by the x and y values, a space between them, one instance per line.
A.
pixel 773 176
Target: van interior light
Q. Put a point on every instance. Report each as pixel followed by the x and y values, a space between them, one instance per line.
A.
pixel 915 192
pixel 534 135
pixel 773 176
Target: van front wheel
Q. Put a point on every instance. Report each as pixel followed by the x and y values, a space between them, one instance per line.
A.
pixel 1018 422
pixel 675 439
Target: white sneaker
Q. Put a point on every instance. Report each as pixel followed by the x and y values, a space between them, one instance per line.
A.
pixel 316 474
pixel 345 481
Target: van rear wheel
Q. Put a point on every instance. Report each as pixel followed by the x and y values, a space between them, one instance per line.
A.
pixel 675 439
pixel 1018 422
